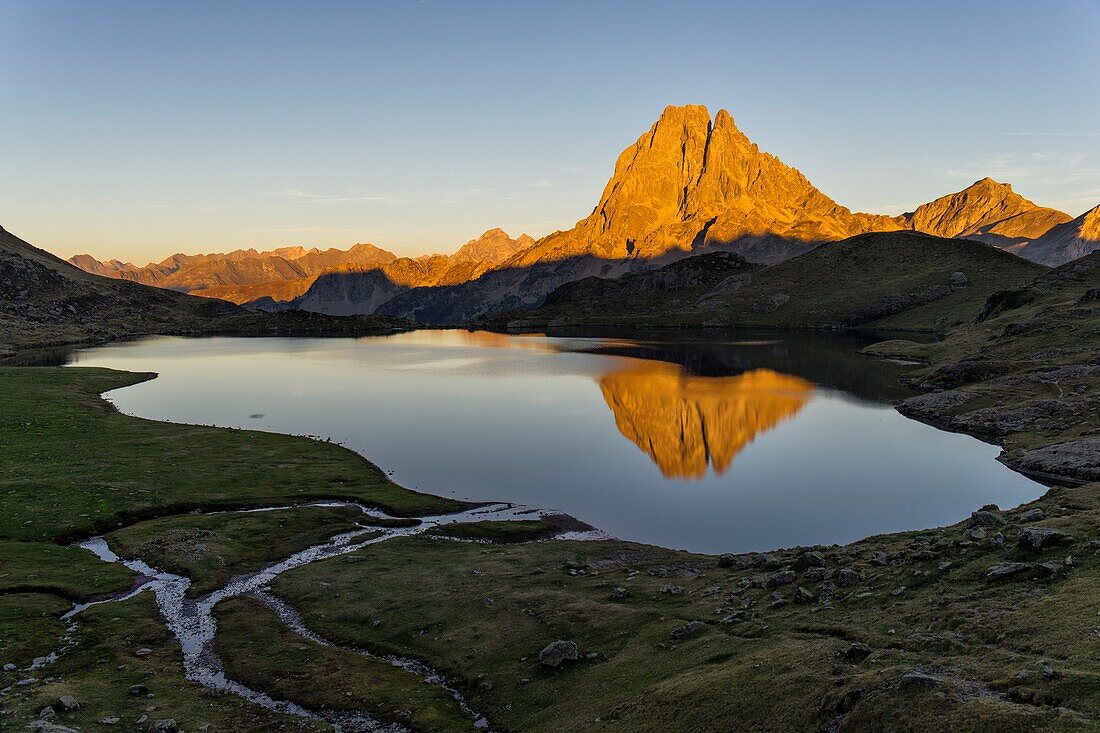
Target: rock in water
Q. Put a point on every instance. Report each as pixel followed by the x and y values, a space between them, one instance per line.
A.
pixel 557 652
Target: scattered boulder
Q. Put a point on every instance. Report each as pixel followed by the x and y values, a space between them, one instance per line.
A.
pixel 619 593
pixel 672 590
pixel 804 596
pixel 847 577
pixel 557 652
pixel 920 678
pixel 812 559
pixel 783 577
pixel 45 726
pixel 1038 538
pixel 138 690
pixel 143 652
pixel 689 629
pixel 857 651
pixel 1007 569
pixel 727 561
pixel 959 280
pixel 164 725
pixel 985 518
pixel 109 720
pixel 1033 515
pixel 769 303
pixel 68 703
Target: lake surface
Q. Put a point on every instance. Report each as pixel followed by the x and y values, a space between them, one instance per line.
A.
pixel 710 446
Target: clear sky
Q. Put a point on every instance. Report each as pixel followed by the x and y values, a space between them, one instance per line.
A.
pixel 138 129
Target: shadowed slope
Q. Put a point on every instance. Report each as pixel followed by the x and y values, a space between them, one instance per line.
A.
pixel 883 280
pixel 1067 242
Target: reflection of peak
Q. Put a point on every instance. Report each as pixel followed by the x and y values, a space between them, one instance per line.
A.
pixel 684 422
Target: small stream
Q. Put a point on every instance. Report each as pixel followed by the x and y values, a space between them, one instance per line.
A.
pixel 193 624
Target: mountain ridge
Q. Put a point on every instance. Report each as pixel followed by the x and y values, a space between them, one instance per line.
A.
pixel 691 184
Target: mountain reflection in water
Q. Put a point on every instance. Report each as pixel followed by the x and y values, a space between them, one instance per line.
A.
pixel 685 422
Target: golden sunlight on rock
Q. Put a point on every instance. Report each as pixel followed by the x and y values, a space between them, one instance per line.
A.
pixel 686 422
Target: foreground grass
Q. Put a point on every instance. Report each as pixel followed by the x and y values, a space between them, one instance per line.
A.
pixel 482 613
pixel 74 467
pixel 264 654
pixel 102 665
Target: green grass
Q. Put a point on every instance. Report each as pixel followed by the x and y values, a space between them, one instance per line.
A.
pixel 67 572
pixel 212 548
pixel 482 613
pixel 74 467
pixel 265 655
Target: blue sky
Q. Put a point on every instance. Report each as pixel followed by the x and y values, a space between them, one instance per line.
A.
pixel 138 129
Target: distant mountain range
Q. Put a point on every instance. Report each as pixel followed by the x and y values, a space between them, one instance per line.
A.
pixel 46 302
pixel 690 185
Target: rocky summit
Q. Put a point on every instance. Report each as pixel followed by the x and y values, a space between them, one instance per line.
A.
pixel 988 211
pixel 691 183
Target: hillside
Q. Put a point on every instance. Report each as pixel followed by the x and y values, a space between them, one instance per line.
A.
pixel 47 301
pixel 901 280
pixel 1023 374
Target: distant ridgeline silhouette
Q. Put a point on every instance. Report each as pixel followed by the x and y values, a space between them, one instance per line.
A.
pixel 689 185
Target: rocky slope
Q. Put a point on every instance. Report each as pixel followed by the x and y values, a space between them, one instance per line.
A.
pixel 1024 373
pixel 1066 242
pixel 987 211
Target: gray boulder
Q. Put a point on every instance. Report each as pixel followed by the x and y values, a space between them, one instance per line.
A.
pixel 1006 570
pixel 557 652
pixel 1038 538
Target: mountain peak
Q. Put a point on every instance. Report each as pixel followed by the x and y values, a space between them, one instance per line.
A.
pixel 989 184
pixel 691 182
pixel 986 210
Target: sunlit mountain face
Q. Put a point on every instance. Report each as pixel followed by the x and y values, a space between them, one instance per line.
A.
pixel 685 423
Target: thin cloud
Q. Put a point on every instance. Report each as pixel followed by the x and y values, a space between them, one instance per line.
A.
pixel 295 193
